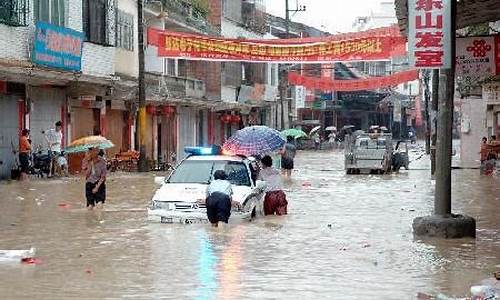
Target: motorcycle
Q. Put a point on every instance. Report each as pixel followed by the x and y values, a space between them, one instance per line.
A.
pixel 40 163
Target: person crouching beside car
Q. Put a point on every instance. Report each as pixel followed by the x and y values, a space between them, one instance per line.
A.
pixel 275 202
pixel 219 199
pixel 94 168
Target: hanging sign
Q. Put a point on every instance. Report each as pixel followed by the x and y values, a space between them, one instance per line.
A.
pixel 325 84
pixel 380 45
pixel 429 33
pixel 478 58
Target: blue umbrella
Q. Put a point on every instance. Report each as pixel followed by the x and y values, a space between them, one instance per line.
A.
pixel 255 140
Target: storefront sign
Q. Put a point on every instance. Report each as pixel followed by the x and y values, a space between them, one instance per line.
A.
pixel 491 93
pixel 429 34
pixel 325 84
pixel 300 96
pixel 396 111
pixel 478 58
pixel 380 45
pixel 57 47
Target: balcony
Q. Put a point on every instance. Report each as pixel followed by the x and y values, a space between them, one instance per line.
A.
pixel 257 94
pixel 14 12
pixel 193 13
pixel 166 87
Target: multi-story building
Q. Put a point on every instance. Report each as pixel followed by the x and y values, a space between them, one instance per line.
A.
pixel 57 62
pixel 200 93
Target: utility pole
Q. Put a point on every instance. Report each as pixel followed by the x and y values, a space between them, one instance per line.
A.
pixel 435 100
pixel 442 201
pixel 427 96
pixel 283 89
pixel 141 118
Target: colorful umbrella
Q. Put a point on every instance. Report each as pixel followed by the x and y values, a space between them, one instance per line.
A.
pixel 314 130
pixel 83 144
pixel 255 140
pixel 295 133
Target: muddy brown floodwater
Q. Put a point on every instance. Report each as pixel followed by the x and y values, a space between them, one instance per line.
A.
pixel 346 237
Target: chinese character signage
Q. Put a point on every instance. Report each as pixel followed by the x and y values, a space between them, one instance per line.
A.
pixel 491 93
pixel 377 44
pixel 300 96
pixel 477 58
pixel 372 83
pixel 57 47
pixel 429 34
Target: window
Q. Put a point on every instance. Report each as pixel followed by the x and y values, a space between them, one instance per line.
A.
pixel 125 30
pixel 182 68
pixel 193 171
pixel 14 12
pixel 50 11
pixel 170 67
pixel 274 74
pixel 94 21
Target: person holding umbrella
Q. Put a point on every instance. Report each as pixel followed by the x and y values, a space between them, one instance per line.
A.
pixel 287 157
pixel 94 168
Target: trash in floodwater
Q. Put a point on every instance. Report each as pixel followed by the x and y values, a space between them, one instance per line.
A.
pixel 19 198
pixel 306 184
pixel 88 271
pixel 64 205
pixel 17 255
pixel 422 296
pixel 31 261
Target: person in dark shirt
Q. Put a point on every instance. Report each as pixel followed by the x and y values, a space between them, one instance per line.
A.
pixel 288 157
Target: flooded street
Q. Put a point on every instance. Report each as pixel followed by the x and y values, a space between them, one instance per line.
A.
pixel 346 237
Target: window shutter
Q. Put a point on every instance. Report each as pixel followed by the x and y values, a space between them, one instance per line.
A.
pixel 85 19
pixel 54 12
pixel 44 11
pixel 36 9
pixel 62 13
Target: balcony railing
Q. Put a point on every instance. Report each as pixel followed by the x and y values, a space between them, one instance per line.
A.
pixel 257 93
pixel 173 87
pixel 191 12
pixel 14 12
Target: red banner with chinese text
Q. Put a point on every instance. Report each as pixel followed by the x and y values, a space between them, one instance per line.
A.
pixel 379 44
pixel 373 83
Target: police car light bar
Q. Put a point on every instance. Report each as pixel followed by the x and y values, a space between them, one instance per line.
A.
pixel 214 150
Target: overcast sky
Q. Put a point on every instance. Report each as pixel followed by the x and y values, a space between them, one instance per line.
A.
pixel 334 15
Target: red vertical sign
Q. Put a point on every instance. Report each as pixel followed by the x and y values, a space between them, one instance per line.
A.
pixel 497 54
pixel 429 33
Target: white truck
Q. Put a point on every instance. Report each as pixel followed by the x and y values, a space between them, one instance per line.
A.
pixel 368 153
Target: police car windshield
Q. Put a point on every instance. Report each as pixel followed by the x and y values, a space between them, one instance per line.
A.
pixel 192 171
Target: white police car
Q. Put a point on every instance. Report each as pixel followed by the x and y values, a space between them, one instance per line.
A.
pixel 179 198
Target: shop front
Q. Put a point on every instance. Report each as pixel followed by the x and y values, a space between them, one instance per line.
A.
pixel 47 106
pixel 11 122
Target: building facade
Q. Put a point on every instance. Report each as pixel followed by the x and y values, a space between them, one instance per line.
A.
pixel 57 62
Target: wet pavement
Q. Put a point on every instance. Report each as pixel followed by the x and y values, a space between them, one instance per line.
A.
pixel 346 237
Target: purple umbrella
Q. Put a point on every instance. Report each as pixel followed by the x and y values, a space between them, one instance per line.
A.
pixel 255 140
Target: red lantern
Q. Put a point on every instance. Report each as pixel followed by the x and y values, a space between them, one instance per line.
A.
pixel 226 119
pixel 167 110
pixel 151 109
pixel 235 119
